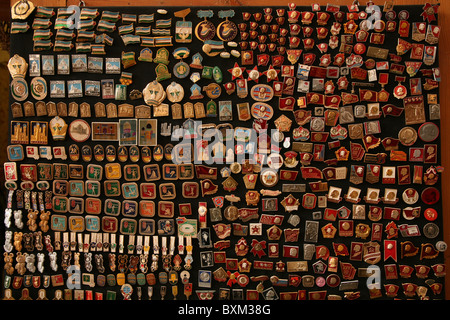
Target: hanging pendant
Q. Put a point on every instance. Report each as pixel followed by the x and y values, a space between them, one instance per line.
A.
pixel 205 30
pixel 226 30
pixel 183 29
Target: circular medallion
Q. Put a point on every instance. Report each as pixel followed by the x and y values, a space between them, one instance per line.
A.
pixel 269 178
pixel 400 91
pixel 333 280
pixel 38 88
pixel 235 167
pixel 126 289
pixel 428 132
pixel 359 48
pixel 79 130
pixel 243 280
pixel 320 281
pixel 19 89
pixel 154 93
pixel 174 92
pixel 430 230
pixel 407 136
pixel 430 214
pixel 231 213
pixel 430 195
pixel 277 136
pixel 205 30
pixel 441 246
pixel 181 70
pixel 227 30
pixel 410 196
pixel 275 161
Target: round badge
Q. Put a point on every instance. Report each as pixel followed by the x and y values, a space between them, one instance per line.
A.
pixel 379 25
pixel 428 132
pixel 370 63
pixel 227 30
pixel 410 196
pixel 79 130
pixel 320 281
pixel 407 136
pixel 400 91
pixel 181 70
pixel 441 246
pixel 19 89
pixel 275 161
pixel 213 90
pixel 269 178
pixel 333 280
pixel 38 88
pixel 278 136
pixel 359 48
pixel 235 167
pixel 430 214
pixel 403 15
pixel 243 280
pixel 205 30
pixel 174 92
pixel 430 195
pixel 430 230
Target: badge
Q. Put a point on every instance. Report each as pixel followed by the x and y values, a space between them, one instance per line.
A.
pixel 205 30
pixel 22 9
pixel 429 12
pixel 18 68
pixel 226 30
pixel 183 29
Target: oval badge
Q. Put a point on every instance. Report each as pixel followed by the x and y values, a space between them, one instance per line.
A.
pixel 262 92
pixel 261 110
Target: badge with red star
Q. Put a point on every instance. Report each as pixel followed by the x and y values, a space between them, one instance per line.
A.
pixel 253 74
pixel 271 74
pixel 236 72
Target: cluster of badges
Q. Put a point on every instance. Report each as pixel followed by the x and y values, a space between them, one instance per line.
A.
pixel 275 153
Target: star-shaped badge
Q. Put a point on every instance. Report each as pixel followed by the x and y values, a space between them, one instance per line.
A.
pixel 253 74
pixel 236 72
pixel 271 74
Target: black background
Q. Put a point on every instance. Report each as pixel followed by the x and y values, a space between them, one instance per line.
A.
pixel 144 73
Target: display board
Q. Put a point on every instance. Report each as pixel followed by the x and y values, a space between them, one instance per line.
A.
pixel 250 153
